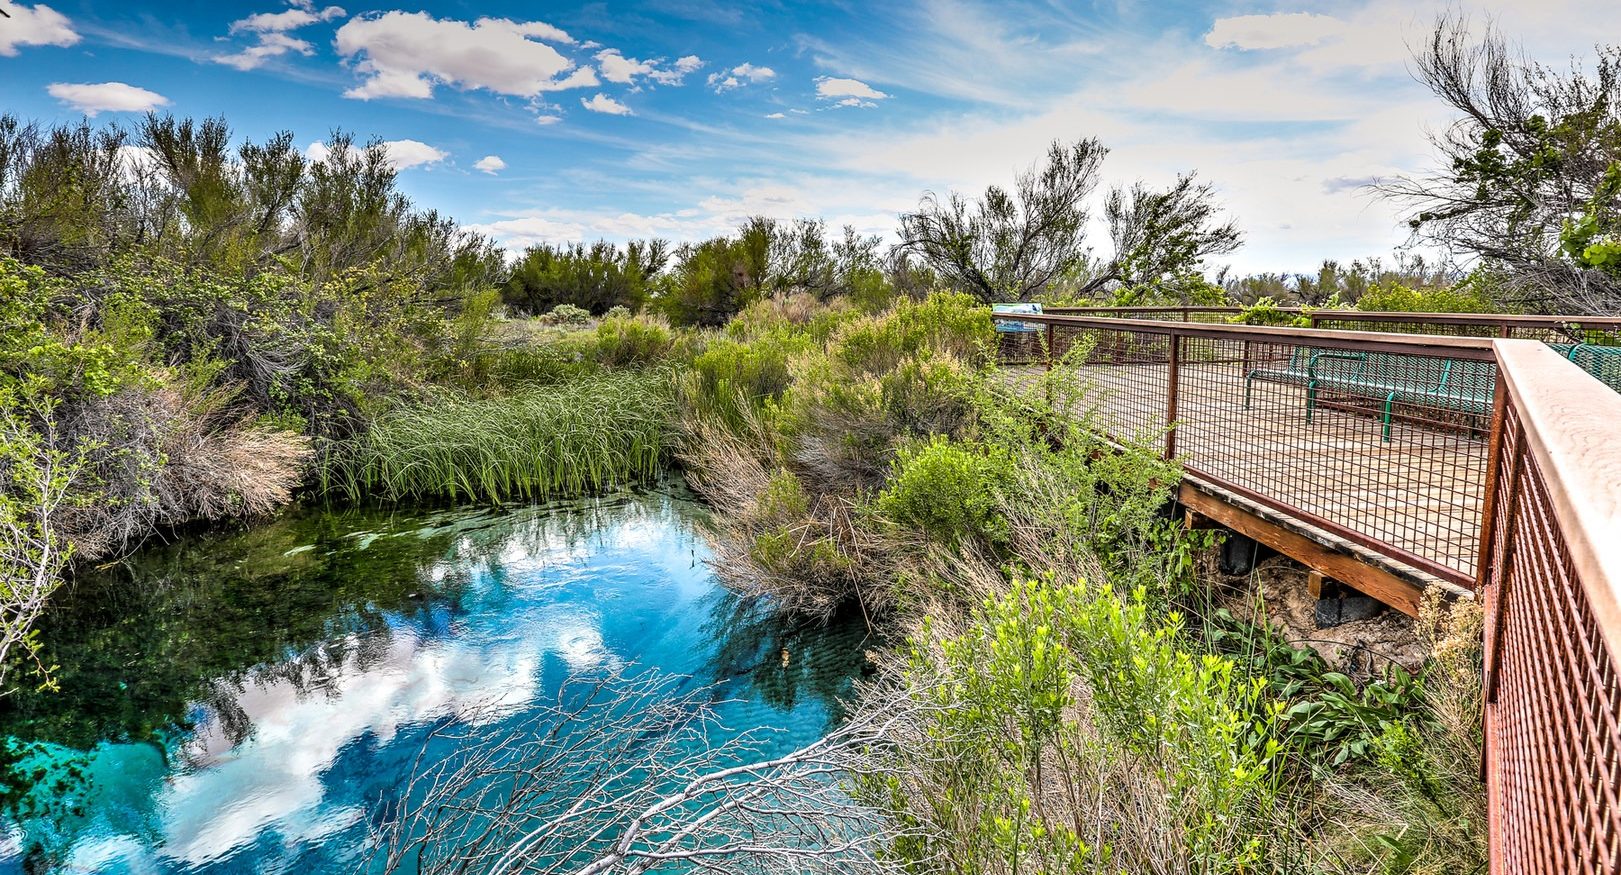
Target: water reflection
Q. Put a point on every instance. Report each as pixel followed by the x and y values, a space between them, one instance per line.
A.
pixel 240 702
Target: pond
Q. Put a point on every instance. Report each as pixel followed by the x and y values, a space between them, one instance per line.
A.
pixel 253 701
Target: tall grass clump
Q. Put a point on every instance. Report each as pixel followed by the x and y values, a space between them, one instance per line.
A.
pixel 585 435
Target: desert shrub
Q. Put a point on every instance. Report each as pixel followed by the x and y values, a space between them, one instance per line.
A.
pixel 944 322
pixel 1266 311
pixel 626 341
pixel 1067 729
pixel 947 489
pixel 713 280
pixel 567 315
pixel 801 311
pixel 730 377
pixel 584 435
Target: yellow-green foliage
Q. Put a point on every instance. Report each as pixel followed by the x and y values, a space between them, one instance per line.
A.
pixel 625 341
pixel 1071 731
pixel 1470 296
pixel 944 322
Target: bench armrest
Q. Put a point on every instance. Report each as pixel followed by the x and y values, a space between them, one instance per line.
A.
pixel 1311 366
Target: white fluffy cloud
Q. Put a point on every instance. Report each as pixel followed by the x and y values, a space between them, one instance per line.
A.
pixel 616 67
pixel 848 92
pixel 490 164
pixel 92 98
pixel 271 39
pixel 290 19
pixel 600 102
pixel 1278 31
pixel 402 154
pixel 39 25
pixel 404 54
pixel 742 74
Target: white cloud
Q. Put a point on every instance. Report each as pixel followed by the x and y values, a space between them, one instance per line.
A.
pixel 547 119
pixel 603 103
pixel 270 45
pixel 848 92
pixel 39 25
pixel 618 68
pixel 490 164
pixel 1278 31
pixel 291 19
pixel 776 115
pixel 402 154
pixel 405 54
pixel 272 40
pixel 92 98
pixel 742 74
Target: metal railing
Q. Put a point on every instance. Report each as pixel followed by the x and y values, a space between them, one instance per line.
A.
pixel 1551 583
pixel 1553 329
pixel 1519 499
pixel 1380 439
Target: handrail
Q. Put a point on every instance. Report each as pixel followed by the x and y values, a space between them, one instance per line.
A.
pixel 1552 591
pixel 1473 348
pixel 1570 419
pixel 1590 321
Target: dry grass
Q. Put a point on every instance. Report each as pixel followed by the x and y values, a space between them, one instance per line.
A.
pixel 162 459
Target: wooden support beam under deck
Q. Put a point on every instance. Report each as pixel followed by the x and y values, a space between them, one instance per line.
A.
pixel 1331 556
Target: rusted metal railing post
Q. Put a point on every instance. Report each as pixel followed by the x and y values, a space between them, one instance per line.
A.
pixel 1173 378
pixel 1051 353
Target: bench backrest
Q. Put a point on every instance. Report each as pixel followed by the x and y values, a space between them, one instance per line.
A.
pixel 1415 371
pixel 1603 362
pixel 1474 378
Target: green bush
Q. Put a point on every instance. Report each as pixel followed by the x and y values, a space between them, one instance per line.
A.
pixel 944 322
pixel 712 281
pixel 947 489
pixel 566 315
pixel 624 341
pixel 1469 296
pixel 731 379
pixel 1067 730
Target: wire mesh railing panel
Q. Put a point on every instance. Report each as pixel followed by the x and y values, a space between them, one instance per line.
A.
pixel 1387 448
pixel 1125 378
pixel 1553 728
pixel 1437 328
pixel 1381 440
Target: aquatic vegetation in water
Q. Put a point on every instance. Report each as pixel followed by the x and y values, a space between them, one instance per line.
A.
pixel 586 435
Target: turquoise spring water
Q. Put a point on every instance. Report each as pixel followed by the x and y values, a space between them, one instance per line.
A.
pixel 253 701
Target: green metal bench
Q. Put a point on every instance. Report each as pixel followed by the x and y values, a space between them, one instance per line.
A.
pixel 1300 370
pixel 1451 384
pixel 1458 385
pixel 1603 362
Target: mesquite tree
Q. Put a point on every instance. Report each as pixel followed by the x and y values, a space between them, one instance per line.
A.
pixel 1529 178
pixel 1014 245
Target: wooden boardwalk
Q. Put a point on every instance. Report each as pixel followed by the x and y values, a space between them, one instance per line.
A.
pixel 1420 492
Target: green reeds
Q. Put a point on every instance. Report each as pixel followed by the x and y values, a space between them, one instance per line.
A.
pixel 584 435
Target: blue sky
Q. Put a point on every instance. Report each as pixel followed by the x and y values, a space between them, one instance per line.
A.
pixel 676 118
